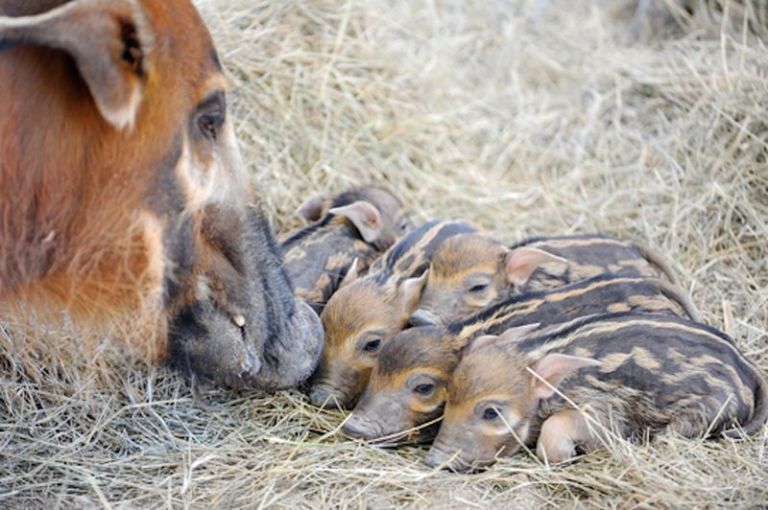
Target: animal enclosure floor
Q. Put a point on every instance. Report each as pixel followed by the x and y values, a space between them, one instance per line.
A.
pixel 526 117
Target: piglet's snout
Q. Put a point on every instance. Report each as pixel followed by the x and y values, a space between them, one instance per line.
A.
pixel 423 318
pixel 360 427
pixel 324 397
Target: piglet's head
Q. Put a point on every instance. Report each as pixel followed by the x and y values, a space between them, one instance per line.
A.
pixel 376 213
pixel 358 320
pixel 471 272
pixel 493 401
pixel 407 388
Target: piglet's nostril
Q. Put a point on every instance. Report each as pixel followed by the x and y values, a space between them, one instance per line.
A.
pixel 324 397
pixel 435 458
pixel 357 426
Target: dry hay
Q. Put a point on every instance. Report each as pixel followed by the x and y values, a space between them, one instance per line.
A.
pixel 545 116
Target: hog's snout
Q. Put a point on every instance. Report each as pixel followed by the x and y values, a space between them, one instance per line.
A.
pixel 423 318
pixel 290 359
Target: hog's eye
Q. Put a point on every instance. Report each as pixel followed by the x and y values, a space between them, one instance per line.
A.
pixel 210 115
pixel 372 345
pixel 478 288
pixel 424 389
pixel 490 414
pixel 210 125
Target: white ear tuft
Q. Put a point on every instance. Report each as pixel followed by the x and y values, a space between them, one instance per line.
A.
pixel 410 291
pixel 351 275
pixel 518 332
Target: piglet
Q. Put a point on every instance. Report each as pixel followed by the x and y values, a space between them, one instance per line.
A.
pixel 408 385
pixel 472 272
pixel 365 312
pixel 624 375
pixel 350 232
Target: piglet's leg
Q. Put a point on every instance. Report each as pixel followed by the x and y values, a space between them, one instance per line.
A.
pixel 560 433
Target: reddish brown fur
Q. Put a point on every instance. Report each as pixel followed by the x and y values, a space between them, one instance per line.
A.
pixel 81 216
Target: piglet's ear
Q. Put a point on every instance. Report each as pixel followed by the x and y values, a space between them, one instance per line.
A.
pixel 518 332
pixel 553 368
pixel 410 293
pixel 522 262
pixel 364 216
pixel 351 276
pixel 108 41
pixel 512 335
pixel 312 208
pixel 480 342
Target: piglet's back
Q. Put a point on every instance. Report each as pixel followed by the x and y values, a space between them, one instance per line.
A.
pixel 593 254
pixel 410 256
pixel 603 294
pixel 659 371
pixel 318 256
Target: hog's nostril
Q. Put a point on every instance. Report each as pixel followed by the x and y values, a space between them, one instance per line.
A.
pixel 251 365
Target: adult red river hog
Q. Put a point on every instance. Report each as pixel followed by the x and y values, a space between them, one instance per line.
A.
pixel 122 189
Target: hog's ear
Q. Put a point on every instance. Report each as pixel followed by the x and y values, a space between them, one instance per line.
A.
pixel 108 40
pixel 410 291
pixel 351 275
pixel 553 368
pixel 311 209
pixel 521 263
pixel 364 216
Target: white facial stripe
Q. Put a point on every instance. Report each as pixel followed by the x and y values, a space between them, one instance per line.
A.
pixel 203 289
pixel 225 181
pixel 152 234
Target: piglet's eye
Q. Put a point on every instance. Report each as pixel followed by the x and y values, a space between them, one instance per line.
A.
pixel 478 288
pixel 424 389
pixel 490 414
pixel 372 345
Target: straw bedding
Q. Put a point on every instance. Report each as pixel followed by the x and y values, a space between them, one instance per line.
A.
pixel 526 117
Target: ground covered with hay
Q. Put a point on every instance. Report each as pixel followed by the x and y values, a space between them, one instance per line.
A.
pixel 526 117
